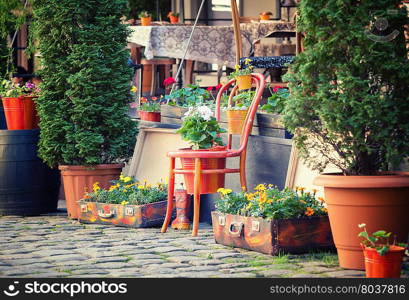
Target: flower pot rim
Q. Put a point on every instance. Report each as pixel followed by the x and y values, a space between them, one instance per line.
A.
pixel 155 112
pixel 90 167
pixel 392 248
pixel 215 148
pixel 383 180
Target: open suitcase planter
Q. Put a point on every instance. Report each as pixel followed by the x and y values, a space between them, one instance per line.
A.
pixel 272 237
pixel 135 216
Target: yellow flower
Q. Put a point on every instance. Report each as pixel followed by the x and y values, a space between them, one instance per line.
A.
pixel 148 186
pixel 224 191
pixel 249 206
pixel 134 89
pixel 260 187
pixel 247 61
pixel 269 201
pixel 128 186
pixel 124 202
pixel 324 209
pixel 249 196
pixel 112 187
pixel 237 67
pixel 309 211
pixel 243 188
pixel 263 198
pixel 314 191
pixel 320 199
pixel 303 202
pixel 95 187
pixel 270 186
pixel 141 187
pixel 127 179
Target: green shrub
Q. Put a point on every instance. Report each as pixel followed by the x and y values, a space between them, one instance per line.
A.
pixel 349 101
pixel 86 82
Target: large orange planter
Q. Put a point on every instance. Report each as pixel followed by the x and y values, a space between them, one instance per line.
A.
pixel 378 201
pixel 79 179
pixel 386 266
pixel 146 21
pixel 235 120
pixel 149 116
pixel 20 113
pixel 210 183
pixel 244 82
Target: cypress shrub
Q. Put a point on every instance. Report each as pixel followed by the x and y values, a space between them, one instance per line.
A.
pixel 86 82
pixel 349 102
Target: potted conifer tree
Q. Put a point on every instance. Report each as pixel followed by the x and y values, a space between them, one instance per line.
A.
pixel 84 126
pixel 349 108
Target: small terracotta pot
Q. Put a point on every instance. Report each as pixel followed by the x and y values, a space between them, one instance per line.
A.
pixel 386 266
pixel 244 82
pixel 174 20
pixel 80 179
pixel 210 183
pixel 146 21
pixel 150 116
pixel 378 201
pixel 235 120
pixel 264 17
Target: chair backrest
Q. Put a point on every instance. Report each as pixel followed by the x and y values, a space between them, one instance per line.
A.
pixel 259 81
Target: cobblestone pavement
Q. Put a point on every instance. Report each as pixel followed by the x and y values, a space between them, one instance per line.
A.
pixel 54 246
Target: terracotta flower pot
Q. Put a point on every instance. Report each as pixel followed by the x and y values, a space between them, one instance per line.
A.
pixel 149 116
pixel 146 21
pixel 264 17
pixel 20 113
pixel 210 183
pixel 386 266
pixel 235 120
pixel 80 179
pixel 378 201
pixel 174 20
pixel 244 82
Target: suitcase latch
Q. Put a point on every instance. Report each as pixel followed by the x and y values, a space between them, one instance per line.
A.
pixel 255 226
pixel 129 211
pixel 84 208
pixel 222 220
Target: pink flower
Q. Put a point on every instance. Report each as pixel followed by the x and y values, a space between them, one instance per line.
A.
pixel 210 88
pixel 169 81
pixel 218 87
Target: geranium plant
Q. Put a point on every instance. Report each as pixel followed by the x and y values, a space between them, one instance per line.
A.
pixel 11 89
pixel 276 102
pixel 378 240
pixel 173 14
pixel 200 128
pixel 269 202
pixel 191 95
pixel 242 101
pixel 144 14
pixel 150 105
pixel 127 191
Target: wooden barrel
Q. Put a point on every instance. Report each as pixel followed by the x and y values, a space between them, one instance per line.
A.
pixel 27 185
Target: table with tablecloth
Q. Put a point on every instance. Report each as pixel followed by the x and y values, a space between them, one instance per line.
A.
pixel 210 44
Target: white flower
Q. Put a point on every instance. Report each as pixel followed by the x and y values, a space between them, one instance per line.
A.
pixel 205 112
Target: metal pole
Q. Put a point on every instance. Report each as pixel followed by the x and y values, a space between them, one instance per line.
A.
pixel 188 43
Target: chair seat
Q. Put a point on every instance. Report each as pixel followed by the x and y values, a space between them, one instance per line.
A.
pixel 267 62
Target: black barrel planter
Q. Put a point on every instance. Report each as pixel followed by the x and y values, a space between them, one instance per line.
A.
pixel 3 124
pixel 27 186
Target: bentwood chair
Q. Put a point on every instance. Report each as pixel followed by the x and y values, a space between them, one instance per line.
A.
pixel 199 156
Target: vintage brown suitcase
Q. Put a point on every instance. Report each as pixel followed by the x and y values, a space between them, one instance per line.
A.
pixel 273 237
pixel 135 216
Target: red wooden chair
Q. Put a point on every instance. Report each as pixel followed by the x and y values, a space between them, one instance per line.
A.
pixel 199 156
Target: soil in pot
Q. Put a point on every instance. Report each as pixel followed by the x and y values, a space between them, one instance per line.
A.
pixel 80 179
pixel 377 201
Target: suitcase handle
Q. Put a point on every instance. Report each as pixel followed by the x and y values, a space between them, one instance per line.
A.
pixel 105 215
pixel 237 233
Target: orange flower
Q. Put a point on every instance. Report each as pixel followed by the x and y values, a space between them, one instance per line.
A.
pixel 320 199
pixel 309 211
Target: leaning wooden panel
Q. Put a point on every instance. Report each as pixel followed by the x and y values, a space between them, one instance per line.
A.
pixel 273 237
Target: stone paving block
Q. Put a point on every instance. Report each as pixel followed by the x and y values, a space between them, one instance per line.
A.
pixel 166 249
pixel 185 259
pixel 68 257
pixel 274 273
pixel 346 274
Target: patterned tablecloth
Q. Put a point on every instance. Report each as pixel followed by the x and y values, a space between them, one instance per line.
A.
pixel 210 44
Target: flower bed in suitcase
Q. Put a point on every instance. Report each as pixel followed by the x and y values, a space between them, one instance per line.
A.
pixel 126 203
pixel 272 221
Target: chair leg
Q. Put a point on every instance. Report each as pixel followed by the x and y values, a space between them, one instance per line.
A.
pixel 243 180
pixel 153 81
pixel 196 195
pixel 171 192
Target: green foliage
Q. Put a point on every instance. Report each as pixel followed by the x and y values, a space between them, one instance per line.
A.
pixel 136 6
pixel 189 96
pixel 240 71
pixel 150 106
pixel 242 101
pixel 144 14
pixel 127 191
pixel 12 16
pixel 349 101
pixel 86 82
pixel 269 202
pixel 276 102
pixel 378 240
pixel 200 128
